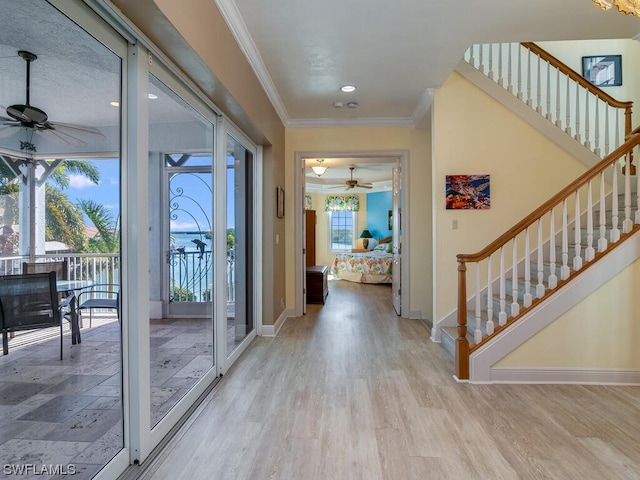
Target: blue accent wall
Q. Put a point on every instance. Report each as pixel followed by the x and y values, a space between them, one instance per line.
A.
pixel 378 206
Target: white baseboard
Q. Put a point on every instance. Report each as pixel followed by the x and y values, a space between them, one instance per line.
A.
pixel 415 314
pixel 155 309
pixel 581 376
pixel 272 330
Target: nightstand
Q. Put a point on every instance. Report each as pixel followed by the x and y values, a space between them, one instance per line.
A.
pixel 317 283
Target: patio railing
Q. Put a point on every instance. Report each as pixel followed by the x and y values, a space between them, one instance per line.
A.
pixel 190 272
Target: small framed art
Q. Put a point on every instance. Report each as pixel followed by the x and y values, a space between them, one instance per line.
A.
pixel 603 70
pixel 467 192
pixel 280 202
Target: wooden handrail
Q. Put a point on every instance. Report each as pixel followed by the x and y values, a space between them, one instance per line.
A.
pixel 627 147
pixel 601 94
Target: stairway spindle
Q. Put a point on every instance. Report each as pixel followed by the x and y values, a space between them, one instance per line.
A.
pixel 618 140
pixel 587 136
pixel 529 99
pixel 637 215
pixel 538 89
pixel 540 286
pixel 564 269
pixel 477 334
pixel 472 60
pixel 520 47
pixel 607 111
pixel 614 235
pixel 552 281
pixel 589 253
pixel 596 150
pixel 548 116
pixel 490 75
pixel 577 137
pixel 509 69
pixel 577 233
pixel 490 324
pixel 558 99
pixel 515 306
pixel 481 63
pixel 502 316
pixel 602 239
pixel 568 108
pixel 500 80
pixel 627 224
pixel 527 299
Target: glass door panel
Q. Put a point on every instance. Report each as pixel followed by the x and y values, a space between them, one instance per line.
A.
pixel 181 223
pixel 239 279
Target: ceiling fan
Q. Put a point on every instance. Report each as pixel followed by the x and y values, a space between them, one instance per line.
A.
pixel 351 183
pixel 27 116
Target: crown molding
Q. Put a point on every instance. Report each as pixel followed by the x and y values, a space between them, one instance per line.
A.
pixel 238 28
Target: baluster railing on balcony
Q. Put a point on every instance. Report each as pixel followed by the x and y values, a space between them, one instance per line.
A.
pixel 582 110
pixel 577 207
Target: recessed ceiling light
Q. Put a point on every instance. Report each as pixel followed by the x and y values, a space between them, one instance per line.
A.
pixel 114 104
pixel 348 88
pixel 352 105
pixel 152 96
pixel 338 104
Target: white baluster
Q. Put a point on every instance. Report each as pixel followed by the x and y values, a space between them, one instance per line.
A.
pixel 472 59
pixel 568 127
pixel 617 142
pixel 527 298
pixel 577 137
pixel 490 323
pixel 627 224
pixel 482 58
pixel 500 80
pixel 491 61
pixel 502 316
pixel 587 136
pixel 602 240
pixel 577 233
pixel 515 307
pixel 597 129
pixel 538 88
pixel 553 279
pixel 529 99
pixel 477 334
pixel 520 47
pixel 564 269
pixel 540 286
pixel 509 69
pixel 558 96
pixel 549 116
pixel 606 130
pixel 614 235
pixel 589 253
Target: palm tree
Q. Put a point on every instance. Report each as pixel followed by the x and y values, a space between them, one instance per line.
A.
pixel 108 238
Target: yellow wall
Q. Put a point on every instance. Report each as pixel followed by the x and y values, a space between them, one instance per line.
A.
pixel 474 134
pixel 417 143
pixel 602 331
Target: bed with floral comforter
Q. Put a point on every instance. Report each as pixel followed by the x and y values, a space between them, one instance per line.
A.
pixel 369 267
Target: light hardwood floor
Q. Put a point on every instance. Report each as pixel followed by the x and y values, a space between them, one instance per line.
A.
pixel 351 391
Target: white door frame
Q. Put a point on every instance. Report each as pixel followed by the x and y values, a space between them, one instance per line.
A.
pixel 299 274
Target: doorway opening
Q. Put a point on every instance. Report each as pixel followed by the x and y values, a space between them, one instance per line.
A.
pixel 359 190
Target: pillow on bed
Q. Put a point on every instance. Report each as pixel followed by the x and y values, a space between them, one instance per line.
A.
pixel 381 247
pixel 389 247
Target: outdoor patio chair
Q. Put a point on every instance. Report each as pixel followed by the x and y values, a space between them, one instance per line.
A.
pixel 29 302
pixel 101 296
pixel 60 267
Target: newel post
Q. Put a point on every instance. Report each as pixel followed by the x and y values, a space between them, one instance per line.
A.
pixel 462 343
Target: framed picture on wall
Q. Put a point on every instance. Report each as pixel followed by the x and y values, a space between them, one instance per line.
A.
pixel 603 70
pixel 280 202
pixel 468 192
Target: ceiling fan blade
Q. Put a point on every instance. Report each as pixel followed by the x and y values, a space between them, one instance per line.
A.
pixel 365 185
pixel 6 129
pixel 59 137
pixel 70 129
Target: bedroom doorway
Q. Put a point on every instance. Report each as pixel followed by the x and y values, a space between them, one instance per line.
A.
pixel 372 177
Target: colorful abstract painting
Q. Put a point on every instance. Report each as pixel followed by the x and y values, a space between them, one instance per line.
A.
pixel 468 192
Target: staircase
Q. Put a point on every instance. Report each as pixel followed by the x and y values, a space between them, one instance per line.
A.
pixel 514 279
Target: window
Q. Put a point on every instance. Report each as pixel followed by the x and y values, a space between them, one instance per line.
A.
pixel 341 230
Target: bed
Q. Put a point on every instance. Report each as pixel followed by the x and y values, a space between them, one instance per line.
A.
pixel 369 267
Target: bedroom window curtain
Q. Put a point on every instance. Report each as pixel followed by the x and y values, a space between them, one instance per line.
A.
pixel 342 203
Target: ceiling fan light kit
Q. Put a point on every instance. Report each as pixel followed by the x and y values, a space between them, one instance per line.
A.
pixel 628 7
pixel 351 183
pixel 32 118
